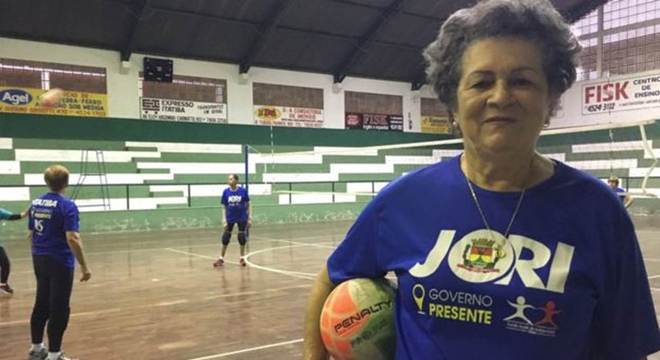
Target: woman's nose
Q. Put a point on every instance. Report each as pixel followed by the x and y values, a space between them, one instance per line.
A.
pixel 500 95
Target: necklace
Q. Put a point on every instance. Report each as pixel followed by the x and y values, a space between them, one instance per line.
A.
pixel 483 216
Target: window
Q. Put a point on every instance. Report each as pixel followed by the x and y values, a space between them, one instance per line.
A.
pixel 41 75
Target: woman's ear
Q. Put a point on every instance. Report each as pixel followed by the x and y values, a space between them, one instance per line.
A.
pixel 553 106
pixel 456 127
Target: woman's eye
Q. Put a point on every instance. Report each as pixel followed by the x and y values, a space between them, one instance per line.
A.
pixel 521 82
pixel 479 84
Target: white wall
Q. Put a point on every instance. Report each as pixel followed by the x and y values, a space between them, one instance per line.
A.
pixel 123 88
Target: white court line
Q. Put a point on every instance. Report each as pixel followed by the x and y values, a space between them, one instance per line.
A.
pixel 212 297
pixel 91 253
pixel 170 303
pixel 302 275
pixel 88 313
pixel 299 275
pixel 217 356
pixel 307 276
pixel 161 304
pixel 654 277
pixel 215 243
pixel 319 244
pixel 198 255
pixel 310 237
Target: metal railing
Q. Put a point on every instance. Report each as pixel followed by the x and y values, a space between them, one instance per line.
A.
pixel 277 188
pixel 135 191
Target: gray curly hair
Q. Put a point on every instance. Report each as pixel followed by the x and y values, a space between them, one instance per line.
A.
pixel 536 20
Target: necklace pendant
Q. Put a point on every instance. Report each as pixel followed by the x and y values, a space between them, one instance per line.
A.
pixel 481 256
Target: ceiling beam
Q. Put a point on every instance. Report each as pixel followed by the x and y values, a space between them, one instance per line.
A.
pixel 380 8
pixel 255 25
pixel 137 9
pixel 265 31
pixel 419 77
pixel 366 40
pixel 418 83
pixel 203 15
pixel 352 39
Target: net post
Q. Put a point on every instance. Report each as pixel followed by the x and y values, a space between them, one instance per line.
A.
pixel 189 197
pixel 247 158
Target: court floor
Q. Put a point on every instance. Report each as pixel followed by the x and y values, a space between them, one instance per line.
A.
pixel 156 296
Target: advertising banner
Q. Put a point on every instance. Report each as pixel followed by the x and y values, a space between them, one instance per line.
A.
pixel 623 94
pixel 73 103
pixel 183 110
pixel 436 125
pixel 288 116
pixel 374 122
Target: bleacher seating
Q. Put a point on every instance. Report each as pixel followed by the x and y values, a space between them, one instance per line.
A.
pixel 162 175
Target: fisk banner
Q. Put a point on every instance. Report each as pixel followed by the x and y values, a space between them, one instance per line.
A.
pixel 623 94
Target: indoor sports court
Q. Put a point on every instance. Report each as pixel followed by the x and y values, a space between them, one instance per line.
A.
pixel 158 291
pixel 166 114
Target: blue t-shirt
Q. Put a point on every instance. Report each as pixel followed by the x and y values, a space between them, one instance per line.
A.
pixel 621 194
pixel 236 203
pixel 568 284
pixel 51 216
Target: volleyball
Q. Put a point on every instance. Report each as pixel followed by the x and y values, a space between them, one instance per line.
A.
pixel 357 321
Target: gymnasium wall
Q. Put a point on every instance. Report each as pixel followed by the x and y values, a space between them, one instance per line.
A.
pixel 195 218
pixel 117 129
pixel 123 125
pixel 123 88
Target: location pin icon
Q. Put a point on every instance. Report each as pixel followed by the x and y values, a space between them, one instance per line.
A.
pixel 418 293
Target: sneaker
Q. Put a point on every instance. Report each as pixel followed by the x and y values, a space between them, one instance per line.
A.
pixel 6 289
pixel 62 357
pixel 218 263
pixel 242 262
pixel 38 355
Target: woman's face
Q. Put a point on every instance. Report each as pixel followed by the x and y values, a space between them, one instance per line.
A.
pixel 503 98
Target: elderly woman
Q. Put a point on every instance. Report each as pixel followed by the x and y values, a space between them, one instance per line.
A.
pixel 501 252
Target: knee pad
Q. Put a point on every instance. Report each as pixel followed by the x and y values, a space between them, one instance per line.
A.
pixel 225 237
pixel 241 238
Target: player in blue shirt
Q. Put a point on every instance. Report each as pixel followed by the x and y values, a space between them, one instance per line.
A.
pixel 5 265
pixel 626 199
pixel 55 238
pixel 500 253
pixel 235 210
